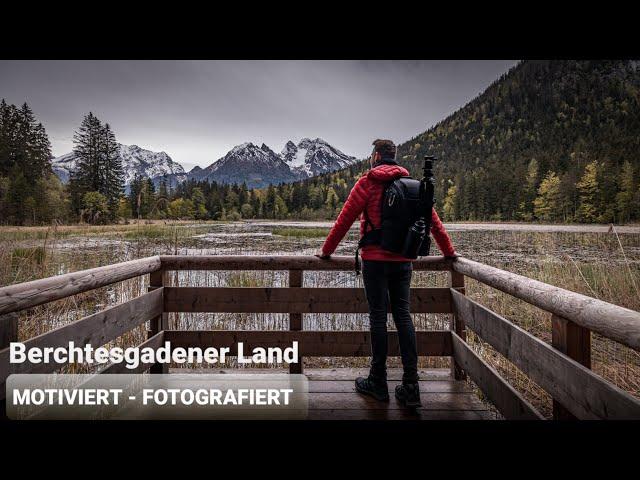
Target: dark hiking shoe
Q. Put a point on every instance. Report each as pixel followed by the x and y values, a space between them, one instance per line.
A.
pixel 409 394
pixel 377 389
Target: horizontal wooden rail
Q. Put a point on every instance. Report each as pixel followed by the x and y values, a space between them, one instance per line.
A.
pixel 281 262
pixel 582 392
pixel 612 321
pixel 156 341
pixel 311 343
pixel 292 300
pixel 96 330
pixel 30 294
pixel 506 399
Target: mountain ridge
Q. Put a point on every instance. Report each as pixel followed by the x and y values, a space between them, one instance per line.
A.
pixel 257 166
pixel 531 145
pixel 135 161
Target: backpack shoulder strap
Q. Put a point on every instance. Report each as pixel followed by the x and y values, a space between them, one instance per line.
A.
pixel 367 221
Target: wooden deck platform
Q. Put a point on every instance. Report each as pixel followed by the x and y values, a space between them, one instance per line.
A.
pixel 332 396
pixel 562 368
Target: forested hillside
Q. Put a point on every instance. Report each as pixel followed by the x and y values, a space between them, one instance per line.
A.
pixel 29 191
pixel 551 141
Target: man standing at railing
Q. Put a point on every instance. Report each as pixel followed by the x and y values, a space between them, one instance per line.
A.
pixel 386 275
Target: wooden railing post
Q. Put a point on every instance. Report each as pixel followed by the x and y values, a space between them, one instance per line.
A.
pixel 8 334
pixel 295 319
pixel 457 325
pixel 575 342
pixel 159 279
pixel 8 329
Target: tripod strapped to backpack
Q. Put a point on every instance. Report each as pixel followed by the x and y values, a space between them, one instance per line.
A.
pixel 406 216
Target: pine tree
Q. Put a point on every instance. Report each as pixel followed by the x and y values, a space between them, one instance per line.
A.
pixel 270 203
pixel 627 197
pixel 25 154
pixel 525 208
pixel 87 151
pixel 98 165
pixel 197 197
pixel 112 172
pixel 162 196
pixel 6 122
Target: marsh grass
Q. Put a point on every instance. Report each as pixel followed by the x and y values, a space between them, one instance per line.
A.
pixel 605 266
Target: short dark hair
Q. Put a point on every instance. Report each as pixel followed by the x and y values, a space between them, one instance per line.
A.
pixel 386 149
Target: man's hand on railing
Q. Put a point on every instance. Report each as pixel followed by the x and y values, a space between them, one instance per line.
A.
pixel 452 257
pixel 320 254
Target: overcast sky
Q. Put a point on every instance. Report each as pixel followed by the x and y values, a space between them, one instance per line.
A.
pixel 197 110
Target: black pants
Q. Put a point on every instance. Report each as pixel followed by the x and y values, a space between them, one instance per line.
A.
pixel 384 283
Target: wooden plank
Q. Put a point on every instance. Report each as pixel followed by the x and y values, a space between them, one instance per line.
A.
pixel 430 401
pixel 281 262
pixel 344 373
pixel 457 325
pixel 96 330
pixel 326 374
pixel 406 414
pixel 292 300
pixel 8 334
pixel 30 294
pixel 156 341
pixel 426 386
pixel 159 279
pixel 8 329
pixel 311 343
pixel 296 278
pixel 612 321
pixel 506 399
pixel 575 342
pixel 585 394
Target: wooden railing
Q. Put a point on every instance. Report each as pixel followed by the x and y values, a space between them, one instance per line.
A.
pixel 562 369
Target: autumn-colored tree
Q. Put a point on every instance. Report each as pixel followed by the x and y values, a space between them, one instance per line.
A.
pixel 588 189
pixel 95 207
pixel 450 203
pixel 548 203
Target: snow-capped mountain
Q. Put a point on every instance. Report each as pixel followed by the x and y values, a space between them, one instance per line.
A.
pixel 314 157
pixel 135 161
pixel 261 166
pixel 63 166
pixel 246 163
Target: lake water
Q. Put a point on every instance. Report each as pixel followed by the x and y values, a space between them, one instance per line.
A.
pixel 594 259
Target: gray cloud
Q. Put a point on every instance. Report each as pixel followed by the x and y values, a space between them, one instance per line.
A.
pixel 197 110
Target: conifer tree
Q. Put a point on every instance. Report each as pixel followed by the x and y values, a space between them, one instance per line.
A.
pixel 87 151
pixel 627 197
pixel 112 172
pixel 197 197
pixel 25 154
pixel 525 209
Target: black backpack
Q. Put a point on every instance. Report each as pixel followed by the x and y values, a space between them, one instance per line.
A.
pixel 400 210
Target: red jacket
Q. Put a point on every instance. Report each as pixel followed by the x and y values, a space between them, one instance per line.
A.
pixel 367 193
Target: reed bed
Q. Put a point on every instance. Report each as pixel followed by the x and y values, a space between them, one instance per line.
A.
pixel 602 265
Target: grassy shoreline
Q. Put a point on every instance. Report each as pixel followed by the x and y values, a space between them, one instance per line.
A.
pixel 602 265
